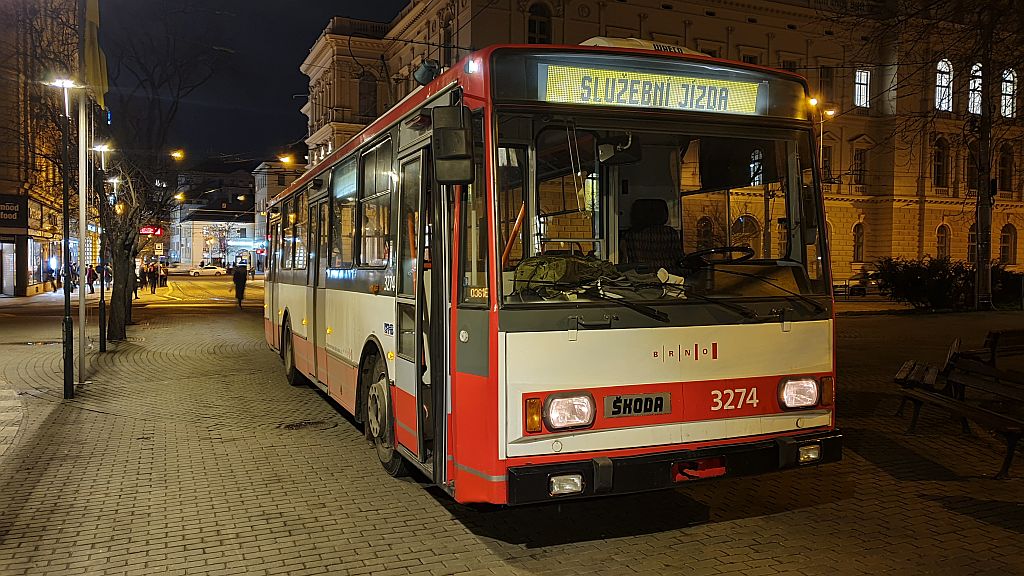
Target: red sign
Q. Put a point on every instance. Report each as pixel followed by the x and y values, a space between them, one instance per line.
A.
pixel 261 251
pixel 151 231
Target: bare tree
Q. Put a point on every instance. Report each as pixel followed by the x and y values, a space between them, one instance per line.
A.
pixel 980 42
pixel 153 66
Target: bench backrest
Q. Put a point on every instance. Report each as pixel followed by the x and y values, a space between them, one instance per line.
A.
pixel 968 373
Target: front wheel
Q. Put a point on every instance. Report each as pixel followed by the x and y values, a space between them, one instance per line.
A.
pixel 380 418
pixel 291 373
pixel 216 273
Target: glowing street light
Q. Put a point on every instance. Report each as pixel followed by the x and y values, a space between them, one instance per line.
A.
pixel 103 149
pixel 178 155
pixel 285 159
pixel 824 114
pixel 180 196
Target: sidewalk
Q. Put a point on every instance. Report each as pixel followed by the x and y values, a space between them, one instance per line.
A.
pixel 92 300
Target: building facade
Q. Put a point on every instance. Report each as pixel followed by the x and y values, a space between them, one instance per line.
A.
pixel 37 44
pixel 894 185
pixel 271 178
pixel 214 221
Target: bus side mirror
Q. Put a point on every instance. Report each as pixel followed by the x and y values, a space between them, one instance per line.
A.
pixel 453 144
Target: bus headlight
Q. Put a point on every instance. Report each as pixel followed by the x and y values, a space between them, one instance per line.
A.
pixel 798 392
pixel 569 410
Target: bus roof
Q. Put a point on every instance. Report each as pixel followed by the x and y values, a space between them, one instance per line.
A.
pixel 476 82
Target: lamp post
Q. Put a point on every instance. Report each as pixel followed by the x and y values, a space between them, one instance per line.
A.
pixel 67 326
pixel 101 193
pixel 824 114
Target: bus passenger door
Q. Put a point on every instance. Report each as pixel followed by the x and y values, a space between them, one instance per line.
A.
pixel 270 298
pixel 421 350
pixel 320 221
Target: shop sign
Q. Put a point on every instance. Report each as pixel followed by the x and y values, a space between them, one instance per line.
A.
pixel 13 211
pixel 151 231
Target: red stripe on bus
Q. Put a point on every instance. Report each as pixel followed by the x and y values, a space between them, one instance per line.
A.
pixel 405 419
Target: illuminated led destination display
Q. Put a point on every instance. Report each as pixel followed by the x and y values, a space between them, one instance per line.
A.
pixel 593 86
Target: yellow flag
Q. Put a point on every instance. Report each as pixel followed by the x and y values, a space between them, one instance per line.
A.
pixel 95 61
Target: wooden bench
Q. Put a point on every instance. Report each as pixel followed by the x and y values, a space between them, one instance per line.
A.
pixel 999 343
pixel 974 390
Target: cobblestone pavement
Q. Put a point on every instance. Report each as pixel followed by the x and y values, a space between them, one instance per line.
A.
pixel 188 453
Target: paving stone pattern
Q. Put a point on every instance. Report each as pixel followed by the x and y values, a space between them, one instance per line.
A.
pixel 188 453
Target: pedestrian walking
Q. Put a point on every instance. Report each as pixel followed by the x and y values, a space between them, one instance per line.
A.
pixel 154 278
pixel 90 278
pixel 135 283
pixel 239 277
pixel 163 275
pixel 143 275
pixel 252 272
pixel 51 277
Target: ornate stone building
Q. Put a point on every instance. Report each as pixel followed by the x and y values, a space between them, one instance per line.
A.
pixel 894 186
pixel 37 44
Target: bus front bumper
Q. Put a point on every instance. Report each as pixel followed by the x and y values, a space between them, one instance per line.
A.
pixel 628 474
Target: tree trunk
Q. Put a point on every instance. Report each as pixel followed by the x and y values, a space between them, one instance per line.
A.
pixel 120 295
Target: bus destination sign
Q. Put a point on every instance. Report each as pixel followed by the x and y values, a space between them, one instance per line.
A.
pixel 592 86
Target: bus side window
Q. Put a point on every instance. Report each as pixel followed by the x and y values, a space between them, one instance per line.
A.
pixel 299 231
pixel 375 206
pixel 285 234
pixel 343 224
pixel 474 248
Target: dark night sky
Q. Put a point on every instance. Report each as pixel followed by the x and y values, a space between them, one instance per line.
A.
pixel 249 109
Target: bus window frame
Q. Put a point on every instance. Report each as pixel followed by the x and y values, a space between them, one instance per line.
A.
pixel 363 198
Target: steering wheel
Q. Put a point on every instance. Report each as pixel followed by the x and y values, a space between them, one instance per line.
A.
pixel 700 257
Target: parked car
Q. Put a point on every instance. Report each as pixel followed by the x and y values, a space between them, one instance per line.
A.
pixel 860 284
pixel 208 270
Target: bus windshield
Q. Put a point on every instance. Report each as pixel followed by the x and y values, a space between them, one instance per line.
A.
pixel 588 213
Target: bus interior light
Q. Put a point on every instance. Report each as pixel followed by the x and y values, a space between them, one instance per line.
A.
pixel 798 392
pixel 571 410
pixel 565 484
pixel 810 453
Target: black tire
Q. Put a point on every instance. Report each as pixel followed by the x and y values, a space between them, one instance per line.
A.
pixel 291 373
pixel 379 424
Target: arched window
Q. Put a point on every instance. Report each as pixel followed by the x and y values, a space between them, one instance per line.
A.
pixel 746 232
pixel 974 90
pixel 538 27
pixel 940 164
pixel 944 86
pixel 1005 179
pixel 1008 244
pixel 705 233
pixel 756 167
pixel 942 241
pixel 367 96
pixel 1008 102
pixel 972 243
pixel 858 242
pixel 972 173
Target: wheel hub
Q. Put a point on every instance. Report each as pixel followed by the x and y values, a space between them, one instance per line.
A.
pixel 377 408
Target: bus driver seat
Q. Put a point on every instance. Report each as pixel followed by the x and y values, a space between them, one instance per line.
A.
pixel 650 241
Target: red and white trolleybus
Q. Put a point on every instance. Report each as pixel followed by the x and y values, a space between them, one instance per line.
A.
pixel 564 271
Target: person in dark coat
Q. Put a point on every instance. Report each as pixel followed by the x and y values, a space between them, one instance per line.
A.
pixel 239 277
pixel 154 278
pixel 90 278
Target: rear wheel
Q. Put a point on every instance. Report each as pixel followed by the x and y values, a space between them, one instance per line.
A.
pixel 293 376
pixel 380 417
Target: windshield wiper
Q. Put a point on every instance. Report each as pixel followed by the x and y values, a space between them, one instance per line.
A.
pixel 737 308
pixel 817 307
pixel 598 292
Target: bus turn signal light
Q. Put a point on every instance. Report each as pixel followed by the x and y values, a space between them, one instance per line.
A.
pixel 828 391
pixel 534 419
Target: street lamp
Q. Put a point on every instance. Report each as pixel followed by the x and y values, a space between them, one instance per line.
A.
pixel 823 114
pixel 178 155
pixel 103 149
pixel 285 159
pixel 65 85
